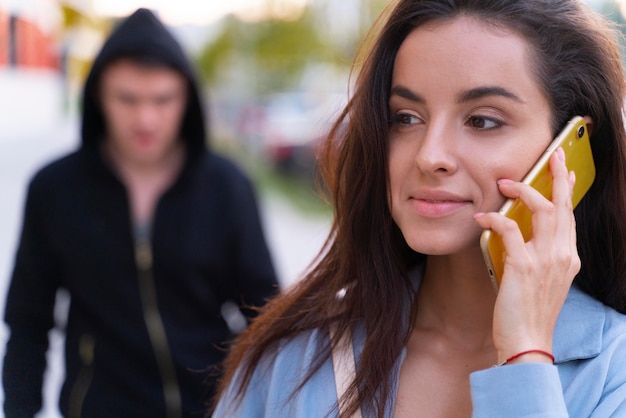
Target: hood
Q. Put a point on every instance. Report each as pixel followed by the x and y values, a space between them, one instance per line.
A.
pixel 143 34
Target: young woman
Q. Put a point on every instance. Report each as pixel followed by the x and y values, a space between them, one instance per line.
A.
pixel 455 102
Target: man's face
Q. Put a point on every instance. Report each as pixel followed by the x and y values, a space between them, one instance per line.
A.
pixel 143 108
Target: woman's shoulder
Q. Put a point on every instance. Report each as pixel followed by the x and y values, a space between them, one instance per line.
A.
pixel 590 347
pixel 303 348
pixel 274 389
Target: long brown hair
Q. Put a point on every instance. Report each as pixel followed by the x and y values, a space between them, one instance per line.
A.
pixel 576 62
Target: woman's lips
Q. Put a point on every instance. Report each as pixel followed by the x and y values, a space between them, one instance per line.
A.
pixel 437 208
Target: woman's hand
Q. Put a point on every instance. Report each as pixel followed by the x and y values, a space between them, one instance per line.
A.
pixel 537 274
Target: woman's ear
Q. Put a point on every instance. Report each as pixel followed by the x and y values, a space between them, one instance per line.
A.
pixel 589 122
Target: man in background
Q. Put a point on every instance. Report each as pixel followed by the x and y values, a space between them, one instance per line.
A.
pixel 149 233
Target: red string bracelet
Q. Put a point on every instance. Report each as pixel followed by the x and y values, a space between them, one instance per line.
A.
pixel 518 355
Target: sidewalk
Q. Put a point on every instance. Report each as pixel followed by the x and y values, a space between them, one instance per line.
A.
pixel 30 104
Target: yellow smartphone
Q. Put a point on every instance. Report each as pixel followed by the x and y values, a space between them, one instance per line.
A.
pixel 574 139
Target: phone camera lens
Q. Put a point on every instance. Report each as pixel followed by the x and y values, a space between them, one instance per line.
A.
pixel 581 132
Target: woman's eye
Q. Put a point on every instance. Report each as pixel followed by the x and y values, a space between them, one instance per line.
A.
pixel 405 119
pixel 480 122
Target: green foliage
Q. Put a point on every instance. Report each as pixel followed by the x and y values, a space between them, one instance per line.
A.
pixel 213 54
pixel 281 49
pixel 277 50
pixel 273 54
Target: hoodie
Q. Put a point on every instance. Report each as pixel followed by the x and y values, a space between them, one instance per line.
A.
pixel 143 35
pixel 142 338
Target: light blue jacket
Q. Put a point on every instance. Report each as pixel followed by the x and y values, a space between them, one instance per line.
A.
pixel 587 380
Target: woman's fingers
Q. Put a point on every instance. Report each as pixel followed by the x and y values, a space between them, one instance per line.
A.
pixel 552 219
pixel 537 273
pixel 561 188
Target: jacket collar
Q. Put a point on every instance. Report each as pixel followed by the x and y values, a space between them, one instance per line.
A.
pixel 579 328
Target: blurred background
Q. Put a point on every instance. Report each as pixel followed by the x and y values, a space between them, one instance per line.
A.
pixel 275 73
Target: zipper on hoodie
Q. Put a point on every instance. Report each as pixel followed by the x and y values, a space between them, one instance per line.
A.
pixel 86 348
pixel 156 329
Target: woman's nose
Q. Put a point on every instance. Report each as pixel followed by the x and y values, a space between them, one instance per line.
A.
pixel 436 151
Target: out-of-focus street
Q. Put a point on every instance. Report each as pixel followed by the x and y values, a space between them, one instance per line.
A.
pixel 33 131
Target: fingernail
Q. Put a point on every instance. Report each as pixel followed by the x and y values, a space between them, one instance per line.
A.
pixel 561 154
pixel 479 215
pixel 572 178
pixel 505 181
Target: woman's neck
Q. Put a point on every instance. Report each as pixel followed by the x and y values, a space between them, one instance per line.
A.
pixel 456 297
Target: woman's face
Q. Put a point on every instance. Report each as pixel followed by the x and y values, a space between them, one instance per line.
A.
pixel 466 111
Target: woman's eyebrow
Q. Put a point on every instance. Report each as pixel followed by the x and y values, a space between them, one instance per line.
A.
pixel 487 91
pixel 407 94
pixel 465 96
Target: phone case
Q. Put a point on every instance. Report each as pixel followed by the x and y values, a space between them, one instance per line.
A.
pixel 574 139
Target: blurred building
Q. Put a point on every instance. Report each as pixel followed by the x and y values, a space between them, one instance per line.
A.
pixel 25 40
pixel 45 46
pixel 30 69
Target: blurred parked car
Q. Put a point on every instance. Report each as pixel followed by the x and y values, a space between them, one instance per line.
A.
pixel 291 126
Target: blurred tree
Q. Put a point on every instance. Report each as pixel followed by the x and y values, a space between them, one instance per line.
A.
pixel 278 51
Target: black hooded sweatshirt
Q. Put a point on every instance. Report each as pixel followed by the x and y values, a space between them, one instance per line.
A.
pixel 140 337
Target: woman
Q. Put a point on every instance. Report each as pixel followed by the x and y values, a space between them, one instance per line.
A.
pixel 455 102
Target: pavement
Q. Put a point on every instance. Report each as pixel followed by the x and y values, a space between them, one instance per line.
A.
pixel 35 129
